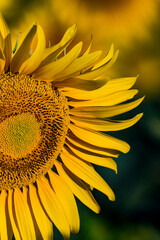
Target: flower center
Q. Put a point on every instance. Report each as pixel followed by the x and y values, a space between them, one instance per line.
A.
pixel 34 119
pixel 20 135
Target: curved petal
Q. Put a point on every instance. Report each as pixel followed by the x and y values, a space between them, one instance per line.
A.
pixel 93 74
pixel 3 26
pixel 79 64
pixel 78 187
pixel 105 125
pixel 100 139
pixel 23 49
pixel 35 59
pixel 106 59
pixel 112 86
pixel 27 199
pixel 13 219
pixel 67 200
pixel 2 61
pixel 93 158
pixel 43 222
pixel 5 226
pixel 23 216
pixel 109 100
pixel 89 47
pixel 7 50
pixel 7 46
pixel 77 83
pixel 52 52
pixel 105 112
pixel 91 148
pixel 86 173
pixel 53 207
pixel 52 70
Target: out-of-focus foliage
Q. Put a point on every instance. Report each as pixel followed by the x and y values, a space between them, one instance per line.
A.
pixel 134 27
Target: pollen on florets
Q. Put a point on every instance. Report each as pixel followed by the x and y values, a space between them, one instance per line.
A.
pixel 34 120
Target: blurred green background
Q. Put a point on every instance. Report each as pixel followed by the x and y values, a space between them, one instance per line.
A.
pixel 133 26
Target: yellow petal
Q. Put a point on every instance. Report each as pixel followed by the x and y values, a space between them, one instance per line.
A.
pixel 2 61
pixel 3 26
pixel 105 125
pixel 52 52
pixel 43 222
pixel 86 173
pixel 23 49
pixel 23 216
pixel 7 46
pixel 79 64
pixel 1 41
pixel 53 207
pixel 81 84
pixel 91 148
pixel 93 74
pixel 109 100
pixel 7 50
pixel 11 209
pixel 93 158
pixel 78 187
pixel 106 59
pixel 26 198
pixel 89 47
pixel 52 70
pixel 5 227
pixel 100 139
pixel 67 200
pixel 104 112
pixel 35 59
pixel 112 86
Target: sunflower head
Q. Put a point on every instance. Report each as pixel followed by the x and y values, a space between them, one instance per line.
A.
pixel 54 109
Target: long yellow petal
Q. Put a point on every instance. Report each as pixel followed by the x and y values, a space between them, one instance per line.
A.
pixel 112 86
pixel 105 112
pixel 23 50
pixel 88 85
pixel 52 70
pixel 27 199
pixel 7 48
pixel 1 41
pixel 89 47
pixel 3 26
pixel 53 207
pixel 2 61
pixel 23 216
pixel 79 64
pixel 67 200
pixel 105 125
pixel 91 148
pixel 43 222
pixel 109 100
pixel 5 227
pixel 35 59
pixel 100 139
pixel 86 173
pixel 93 74
pixel 78 187
pixel 106 59
pixel 11 209
pixel 52 52
pixel 93 158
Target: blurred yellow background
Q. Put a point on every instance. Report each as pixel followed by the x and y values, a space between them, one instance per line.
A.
pixel 134 28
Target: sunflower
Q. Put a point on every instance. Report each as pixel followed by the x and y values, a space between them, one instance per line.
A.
pixel 54 110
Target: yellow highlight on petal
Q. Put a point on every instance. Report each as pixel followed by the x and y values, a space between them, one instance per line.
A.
pixel 19 135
